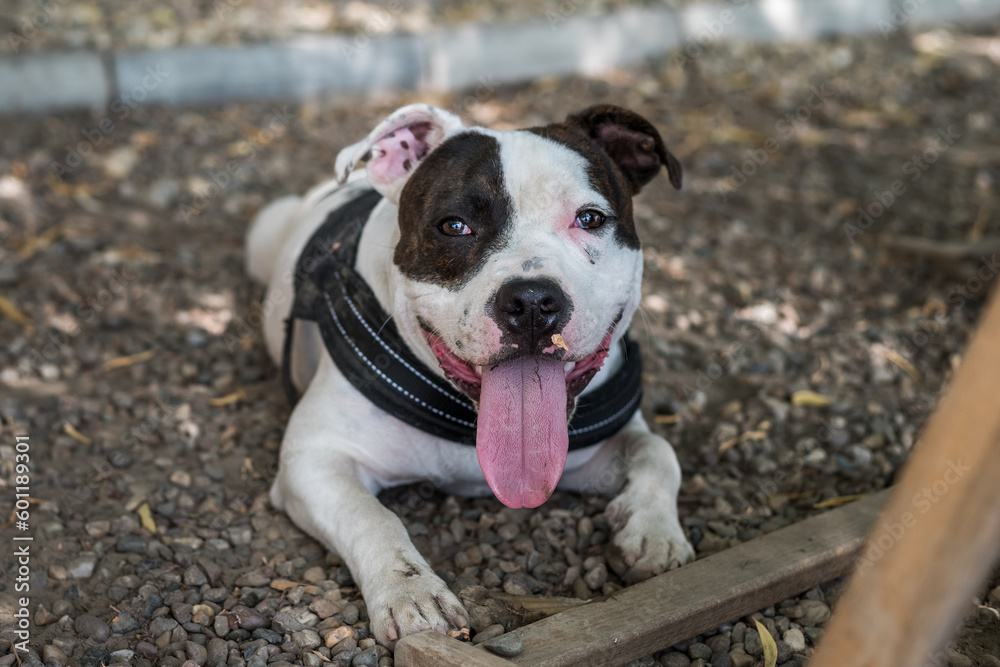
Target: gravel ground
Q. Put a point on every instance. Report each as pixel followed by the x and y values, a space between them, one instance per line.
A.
pixel 131 352
pixel 44 25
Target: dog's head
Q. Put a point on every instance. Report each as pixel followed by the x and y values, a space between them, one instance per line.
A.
pixel 519 265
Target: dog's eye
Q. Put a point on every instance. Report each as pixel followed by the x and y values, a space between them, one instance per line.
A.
pixel 589 219
pixel 454 227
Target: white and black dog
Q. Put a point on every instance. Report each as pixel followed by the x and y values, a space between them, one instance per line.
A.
pixel 469 294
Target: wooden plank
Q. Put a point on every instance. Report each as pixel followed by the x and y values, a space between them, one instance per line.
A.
pixel 680 604
pixel 432 649
pixel 939 534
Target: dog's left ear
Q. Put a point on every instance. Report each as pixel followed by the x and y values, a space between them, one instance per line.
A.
pixel 397 145
pixel 631 141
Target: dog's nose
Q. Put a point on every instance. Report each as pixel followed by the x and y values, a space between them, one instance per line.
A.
pixel 530 310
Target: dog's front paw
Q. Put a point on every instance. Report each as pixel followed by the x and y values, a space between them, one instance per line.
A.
pixel 411 601
pixel 645 542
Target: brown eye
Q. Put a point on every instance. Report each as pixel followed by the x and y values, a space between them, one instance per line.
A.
pixel 454 227
pixel 589 219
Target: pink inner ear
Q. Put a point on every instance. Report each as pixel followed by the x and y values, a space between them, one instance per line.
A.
pixel 396 154
pixel 626 146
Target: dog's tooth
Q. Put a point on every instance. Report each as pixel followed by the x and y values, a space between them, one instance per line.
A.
pixel 570 365
pixel 479 371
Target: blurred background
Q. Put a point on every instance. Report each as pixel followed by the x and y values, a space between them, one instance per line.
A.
pixel 808 293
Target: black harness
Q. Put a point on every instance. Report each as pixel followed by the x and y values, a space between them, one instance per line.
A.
pixel 363 341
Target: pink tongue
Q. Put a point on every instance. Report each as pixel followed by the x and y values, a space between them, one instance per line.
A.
pixel 522 437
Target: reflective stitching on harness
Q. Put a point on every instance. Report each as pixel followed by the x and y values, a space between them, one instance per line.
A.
pixel 372 366
pixel 364 323
pixel 628 406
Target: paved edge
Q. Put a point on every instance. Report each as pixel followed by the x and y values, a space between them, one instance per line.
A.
pixel 567 41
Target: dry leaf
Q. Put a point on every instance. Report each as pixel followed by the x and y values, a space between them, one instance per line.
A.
pixel 11 312
pixel 146 517
pixel 338 635
pixel 666 419
pixel 228 398
pixel 76 435
pixel 285 584
pixel 905 365
pixel 838 501
pixel 767 642
pixel 36 243
pixel 558 341
pixel 122 362
pixel 810 399
pixel 461 634
pixel 749 435
pixel 321 656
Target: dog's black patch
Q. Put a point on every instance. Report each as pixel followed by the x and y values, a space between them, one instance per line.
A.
pixel 533 263
pixel 409 570
pixel 463 179
pixel 624 152
pixel 604 175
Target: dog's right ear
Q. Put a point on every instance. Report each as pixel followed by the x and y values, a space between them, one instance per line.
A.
pixel 397 145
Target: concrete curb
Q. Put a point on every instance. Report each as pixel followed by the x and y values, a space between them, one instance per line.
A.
pixel 445 60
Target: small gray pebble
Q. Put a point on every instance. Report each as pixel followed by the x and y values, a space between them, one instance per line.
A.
pixel 124 622
pixel 699 650
pixel 194 576
pixel 218 652
pixel 270 636
pixel 284 624
pixel 92 627
pixel 751 643
pixel 784 651
pixel 488 633
pixel 367 658
pixel 53 654
pixel 739 658
pixel 674 659
pixel 122 656
pixel 350 614
pixel 306 639
pixel 956 659
pixel 814 612
pixel 310 659
pixel 131 544
pixel 721 659
pixel 160 625
pixel 95 657
pixel 221 625
pixel 196 653
pixel 739 632
pixel 506 645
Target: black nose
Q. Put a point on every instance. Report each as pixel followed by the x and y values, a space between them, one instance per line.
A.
pixel 529 311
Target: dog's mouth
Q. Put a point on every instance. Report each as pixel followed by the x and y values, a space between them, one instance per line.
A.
pixel 525 403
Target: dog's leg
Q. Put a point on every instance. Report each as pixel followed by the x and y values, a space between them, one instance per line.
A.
pixel 647 538
pixel 320 486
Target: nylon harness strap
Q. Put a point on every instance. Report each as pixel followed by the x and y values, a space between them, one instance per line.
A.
pixel 365 344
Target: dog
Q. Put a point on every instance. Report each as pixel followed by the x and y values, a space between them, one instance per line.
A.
pixel 508 267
